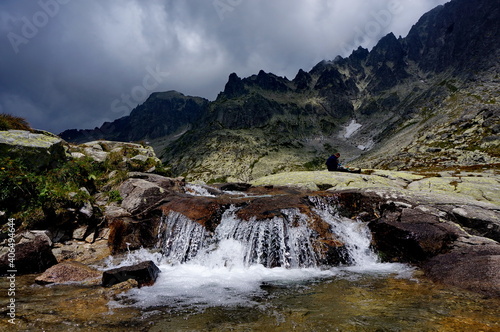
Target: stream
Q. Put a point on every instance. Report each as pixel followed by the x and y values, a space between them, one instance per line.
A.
pixel 255 276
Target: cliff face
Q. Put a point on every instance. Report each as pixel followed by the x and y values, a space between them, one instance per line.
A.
pixel 426 100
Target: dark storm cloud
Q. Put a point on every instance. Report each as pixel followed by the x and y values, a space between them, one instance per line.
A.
pixel 77 63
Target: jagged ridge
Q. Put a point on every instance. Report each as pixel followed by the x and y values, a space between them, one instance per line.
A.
pixel 405 96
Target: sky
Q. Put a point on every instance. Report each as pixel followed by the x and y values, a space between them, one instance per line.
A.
pixel 68 64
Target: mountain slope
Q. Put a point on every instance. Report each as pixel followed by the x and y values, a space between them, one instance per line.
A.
pixel 162 115
pixel 426 100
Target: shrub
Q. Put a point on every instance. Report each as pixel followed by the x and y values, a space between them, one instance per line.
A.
pixel 8 121
pixel 35 197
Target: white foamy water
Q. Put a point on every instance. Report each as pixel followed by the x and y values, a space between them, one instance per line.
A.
pixel 228 267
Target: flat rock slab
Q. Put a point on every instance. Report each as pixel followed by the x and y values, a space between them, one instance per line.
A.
pixel 144 273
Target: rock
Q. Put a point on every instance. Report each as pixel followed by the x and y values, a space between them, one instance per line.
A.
pixel 473 265
pixel 238 186
pixel 140 194
pixel 101 151
pixel 69 271
pixel 33 254
pixel 82 252
pixel 80 233
pixel 206 211
pixel 478 221
pixel 37 151
pixel 170 184
pixel 144 273
pixel 484 187
pixel 127 233
pixel 411 235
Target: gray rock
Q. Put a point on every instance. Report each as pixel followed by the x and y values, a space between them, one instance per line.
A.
pixel 37 151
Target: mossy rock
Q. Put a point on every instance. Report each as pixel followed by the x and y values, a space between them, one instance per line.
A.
pixel 37 151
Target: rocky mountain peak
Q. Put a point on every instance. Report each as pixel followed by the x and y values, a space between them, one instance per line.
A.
pixel 403 91
pixel 234 87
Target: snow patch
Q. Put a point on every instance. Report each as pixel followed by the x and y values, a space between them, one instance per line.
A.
pixel 351 128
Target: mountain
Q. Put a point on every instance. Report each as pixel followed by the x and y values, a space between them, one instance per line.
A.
pixel 161 117
pixel 428 100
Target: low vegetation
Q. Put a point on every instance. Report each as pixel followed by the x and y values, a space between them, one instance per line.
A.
pixel 8 122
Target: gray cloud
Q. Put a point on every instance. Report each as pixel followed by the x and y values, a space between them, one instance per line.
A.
pixel 77 63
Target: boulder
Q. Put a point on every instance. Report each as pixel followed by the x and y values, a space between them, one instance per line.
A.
pixel 69 271
pixel 144 273
pixel 140 194
pixel 100 151
pixel 128 233
pixel 33 254
pixel 411 235
pixel 83 252
pixel 472 264
pixel 37 150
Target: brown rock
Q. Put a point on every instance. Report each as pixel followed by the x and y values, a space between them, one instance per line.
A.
pixel 206 211
pixel 127 233
pixel 69 271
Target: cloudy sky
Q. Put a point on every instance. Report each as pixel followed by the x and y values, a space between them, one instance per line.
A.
pixel 77 63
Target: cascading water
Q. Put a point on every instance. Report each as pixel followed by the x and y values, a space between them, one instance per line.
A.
pixel 270 243
pixel 228 266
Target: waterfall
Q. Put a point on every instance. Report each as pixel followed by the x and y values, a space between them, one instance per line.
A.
pixel 228 266
pixel 283 241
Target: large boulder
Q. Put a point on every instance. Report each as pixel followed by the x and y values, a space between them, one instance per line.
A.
pixel 33 253
pixel 426 229
pixel 473 263
pixel 412 235
pixel 37 150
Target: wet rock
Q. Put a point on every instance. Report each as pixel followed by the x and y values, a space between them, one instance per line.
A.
pixel 33 254
pixel 144 273
pixel 411 235
pixel 472 264
pixel 206 211
pixel 69 271
pixel 237 186
pixel 128 233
